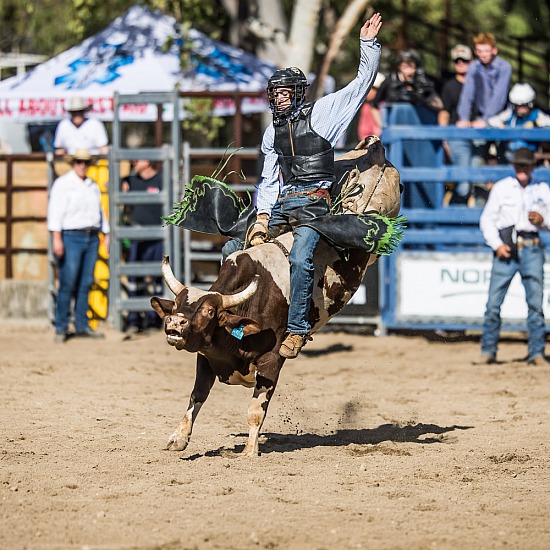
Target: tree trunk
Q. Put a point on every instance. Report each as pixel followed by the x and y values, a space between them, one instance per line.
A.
pixel 341 32
pixel 270 12
pixel 301 42
pixel 232 9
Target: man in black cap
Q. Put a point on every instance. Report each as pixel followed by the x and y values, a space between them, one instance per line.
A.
pixel 517 208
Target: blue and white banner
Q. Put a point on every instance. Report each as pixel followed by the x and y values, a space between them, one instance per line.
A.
pixel 139 52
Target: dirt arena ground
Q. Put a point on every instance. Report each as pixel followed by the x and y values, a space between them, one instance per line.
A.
pixel 375 443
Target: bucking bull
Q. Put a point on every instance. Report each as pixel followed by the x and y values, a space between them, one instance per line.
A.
pixel 237 326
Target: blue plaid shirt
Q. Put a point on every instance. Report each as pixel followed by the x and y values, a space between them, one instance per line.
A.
pixel 485 90
pixel 330 117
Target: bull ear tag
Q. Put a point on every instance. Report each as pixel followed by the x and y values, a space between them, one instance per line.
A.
pixel 238 332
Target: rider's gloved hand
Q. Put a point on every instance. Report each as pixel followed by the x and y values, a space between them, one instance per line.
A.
pixel 257 233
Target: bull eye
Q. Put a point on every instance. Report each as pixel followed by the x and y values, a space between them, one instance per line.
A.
pixel 210 311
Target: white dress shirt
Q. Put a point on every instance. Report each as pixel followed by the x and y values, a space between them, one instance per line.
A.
pixel 509 204
pixel 75 204
pixel 330 117
pixel 91 135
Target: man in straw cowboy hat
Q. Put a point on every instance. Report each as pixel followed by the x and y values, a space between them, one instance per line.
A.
pixel 517 208
pixel 80 131
pixel 75 219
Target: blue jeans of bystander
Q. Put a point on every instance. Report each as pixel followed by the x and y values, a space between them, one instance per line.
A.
pixel 530 265
pixel 461 155
pixel 76 275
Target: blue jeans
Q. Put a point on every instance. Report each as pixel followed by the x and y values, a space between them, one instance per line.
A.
pixel 417 153
pixel 461 155
pixel 76 275
pixel 144 251
pixel 301 255
pixel 530 265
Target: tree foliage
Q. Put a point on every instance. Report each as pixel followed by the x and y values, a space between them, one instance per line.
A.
pixel 51 26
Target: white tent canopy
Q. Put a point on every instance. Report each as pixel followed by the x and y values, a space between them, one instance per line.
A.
pixel 131 56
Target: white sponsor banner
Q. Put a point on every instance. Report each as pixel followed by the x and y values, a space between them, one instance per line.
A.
pixel 454 287
pixel 40 109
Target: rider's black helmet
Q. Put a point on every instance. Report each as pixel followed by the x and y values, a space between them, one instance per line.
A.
pixel 292 78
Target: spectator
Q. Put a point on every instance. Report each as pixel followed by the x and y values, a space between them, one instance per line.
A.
pixel 410 99
pixel 485 92
pixel 370 119
pixel 408 84
pixel 144 178
pixel 521 113
pixel 80 131
pixel 516 210
pixel 458 150
pixel 75 218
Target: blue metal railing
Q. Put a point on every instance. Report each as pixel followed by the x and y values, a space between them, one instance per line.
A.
pixel 436 228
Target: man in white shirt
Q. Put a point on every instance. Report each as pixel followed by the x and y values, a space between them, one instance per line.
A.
pixel 80 131
pixel 75 219
pixel 517 208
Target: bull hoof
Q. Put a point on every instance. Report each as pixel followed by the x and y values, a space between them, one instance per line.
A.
pixel 249 452
pixel 176 443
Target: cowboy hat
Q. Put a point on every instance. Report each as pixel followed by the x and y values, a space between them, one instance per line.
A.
pixel 524 157
pixel 78 104
pixel 80 154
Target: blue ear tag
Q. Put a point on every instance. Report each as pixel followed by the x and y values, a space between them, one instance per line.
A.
pixel 238 332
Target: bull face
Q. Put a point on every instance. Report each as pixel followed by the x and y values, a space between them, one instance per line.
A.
pixel 190 320
pixel 189 326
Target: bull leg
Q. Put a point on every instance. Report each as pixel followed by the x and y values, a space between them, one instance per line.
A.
pixel 204 380
pixel 257 411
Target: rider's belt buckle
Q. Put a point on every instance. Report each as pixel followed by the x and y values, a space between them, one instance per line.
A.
pixel 319 194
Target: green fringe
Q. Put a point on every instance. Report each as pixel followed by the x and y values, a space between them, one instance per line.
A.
pixel 391 238
pixel 195 191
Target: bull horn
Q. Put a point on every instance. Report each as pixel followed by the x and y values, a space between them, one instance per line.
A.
pixel 173 284
pixel 233 300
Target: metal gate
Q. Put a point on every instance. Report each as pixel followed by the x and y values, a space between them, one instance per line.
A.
pixel 168 155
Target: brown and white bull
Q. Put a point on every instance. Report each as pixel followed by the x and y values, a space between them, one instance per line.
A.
pixel 236 328
pixel 250 297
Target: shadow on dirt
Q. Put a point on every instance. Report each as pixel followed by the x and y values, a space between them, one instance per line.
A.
pixel 335 348
pixel 279 443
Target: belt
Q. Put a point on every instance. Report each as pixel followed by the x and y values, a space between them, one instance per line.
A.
pixel 316 194
pixel 88 230
pixel 525 242
pixel 528 234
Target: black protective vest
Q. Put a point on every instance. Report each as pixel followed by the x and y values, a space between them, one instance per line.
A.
pixel 304 156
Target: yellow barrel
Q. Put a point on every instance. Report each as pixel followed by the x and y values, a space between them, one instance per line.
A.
pixel 99 294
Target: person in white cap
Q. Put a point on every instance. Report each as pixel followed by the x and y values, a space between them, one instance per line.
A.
pixel 521 113
pixel 80 131
pixel 459 151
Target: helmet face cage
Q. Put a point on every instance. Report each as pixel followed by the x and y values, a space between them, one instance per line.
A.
pixel 293 79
